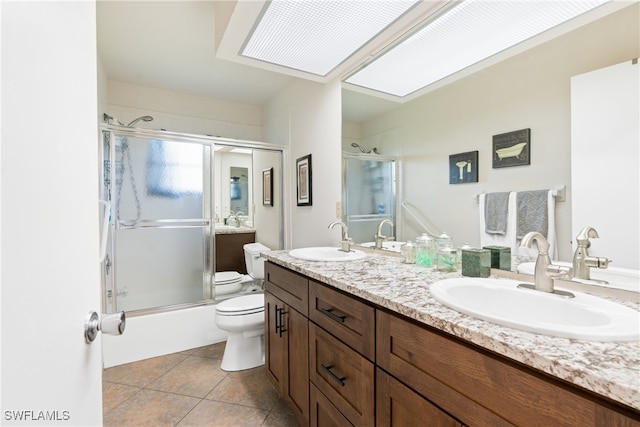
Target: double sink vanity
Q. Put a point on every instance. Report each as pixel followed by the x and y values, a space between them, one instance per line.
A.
pixel 364 342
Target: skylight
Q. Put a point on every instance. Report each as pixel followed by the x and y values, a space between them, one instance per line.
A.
pixel 465 34
pixel 316 36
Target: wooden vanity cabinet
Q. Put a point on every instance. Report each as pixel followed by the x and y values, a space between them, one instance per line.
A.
pixel 287 337
pixel 230 251
pixel 481 388
pixel 338 361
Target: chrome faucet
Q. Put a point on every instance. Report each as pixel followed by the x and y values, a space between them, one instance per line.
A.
pixel 233 216
pixel 582 262
pixel 379 237
pixel 346 240
pixel 545 272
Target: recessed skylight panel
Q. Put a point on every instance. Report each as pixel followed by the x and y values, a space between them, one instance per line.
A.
pixel 462 36
pixel 317 35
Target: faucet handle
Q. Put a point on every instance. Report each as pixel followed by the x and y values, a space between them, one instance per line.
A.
pixel 559 272
pixel 597 262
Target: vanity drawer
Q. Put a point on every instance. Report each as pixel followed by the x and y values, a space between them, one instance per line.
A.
pixel 343 376
pixel 292 288
pixel 350 320
pixel 323 413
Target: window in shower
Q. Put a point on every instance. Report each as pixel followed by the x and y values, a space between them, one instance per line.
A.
pixel 174 169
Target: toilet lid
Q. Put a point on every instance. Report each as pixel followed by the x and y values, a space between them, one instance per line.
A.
pixel 253 302
pixel 227 277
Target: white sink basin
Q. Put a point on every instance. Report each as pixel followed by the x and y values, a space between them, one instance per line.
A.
pixel 225 227
pixel 325 254
pixel 619 278
pixel 584 317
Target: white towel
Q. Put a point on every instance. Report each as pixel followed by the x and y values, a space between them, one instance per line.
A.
pixel 551 230
pixel 507 239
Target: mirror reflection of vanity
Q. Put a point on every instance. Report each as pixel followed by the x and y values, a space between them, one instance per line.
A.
pixel 238 190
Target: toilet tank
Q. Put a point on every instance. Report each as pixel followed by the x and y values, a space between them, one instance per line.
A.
pixel 253 260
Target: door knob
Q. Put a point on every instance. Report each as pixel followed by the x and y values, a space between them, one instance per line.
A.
pixel 112 324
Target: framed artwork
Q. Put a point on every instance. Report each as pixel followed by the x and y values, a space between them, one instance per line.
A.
pixel 512 149
pixel 303 180
pixel 463 167
pixel 267 187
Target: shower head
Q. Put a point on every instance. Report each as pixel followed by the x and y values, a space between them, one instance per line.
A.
pixel 143 118
pixel 353 144
pixel 356 145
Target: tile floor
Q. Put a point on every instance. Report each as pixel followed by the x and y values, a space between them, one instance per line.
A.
pixel 189 389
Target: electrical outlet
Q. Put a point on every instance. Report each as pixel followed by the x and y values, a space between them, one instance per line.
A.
pixel 338 210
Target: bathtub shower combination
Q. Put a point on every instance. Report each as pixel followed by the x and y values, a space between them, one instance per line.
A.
pixel 160 244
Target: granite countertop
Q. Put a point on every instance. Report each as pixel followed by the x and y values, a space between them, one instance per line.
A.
pixel 234 230
pixel 611 369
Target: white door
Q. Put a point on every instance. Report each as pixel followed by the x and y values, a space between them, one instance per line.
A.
pixel 49 214
pixel 605 152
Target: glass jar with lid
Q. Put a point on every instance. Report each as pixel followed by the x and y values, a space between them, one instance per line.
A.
pixel 408 252
pixel 425 251
pixel 446 258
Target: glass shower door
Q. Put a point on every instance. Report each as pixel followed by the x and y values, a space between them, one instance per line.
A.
pixel 161 248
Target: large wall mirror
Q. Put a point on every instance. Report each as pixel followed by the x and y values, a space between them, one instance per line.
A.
pixel 239 188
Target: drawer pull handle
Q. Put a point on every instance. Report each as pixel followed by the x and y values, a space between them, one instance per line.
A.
pixel 277 319
pixel 328 370
pixel 329 312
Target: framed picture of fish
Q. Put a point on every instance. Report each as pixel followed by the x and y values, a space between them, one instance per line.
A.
pixel 512 149
pixel 463 167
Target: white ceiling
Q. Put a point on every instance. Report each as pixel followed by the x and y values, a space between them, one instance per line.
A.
pixel 192 47
pixel 171 45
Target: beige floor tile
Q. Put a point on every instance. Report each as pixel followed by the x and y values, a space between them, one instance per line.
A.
pixel 215 351
pixel 250 388
pixel 210 413
pixel 195 376
pixel 280 419
pixel 151 408
pixel 114 394
pixel 144 372
pixel 281 406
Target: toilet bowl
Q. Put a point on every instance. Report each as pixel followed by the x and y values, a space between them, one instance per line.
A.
pixel 243 319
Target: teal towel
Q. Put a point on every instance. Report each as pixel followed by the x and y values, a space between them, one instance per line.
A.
pixel 496 209
pixel 532 212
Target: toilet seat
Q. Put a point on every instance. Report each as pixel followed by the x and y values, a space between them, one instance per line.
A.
pixel 239 306
pixel 227 282
pixel 227 277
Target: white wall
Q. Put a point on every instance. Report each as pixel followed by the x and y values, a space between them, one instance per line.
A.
pixel 266 216
pixel 181 112
pixel 307 117
pixel 531 90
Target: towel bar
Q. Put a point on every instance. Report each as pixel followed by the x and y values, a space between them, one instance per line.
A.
pixel 559 193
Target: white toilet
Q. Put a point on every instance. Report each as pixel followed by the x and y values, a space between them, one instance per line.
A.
pixel 243 319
